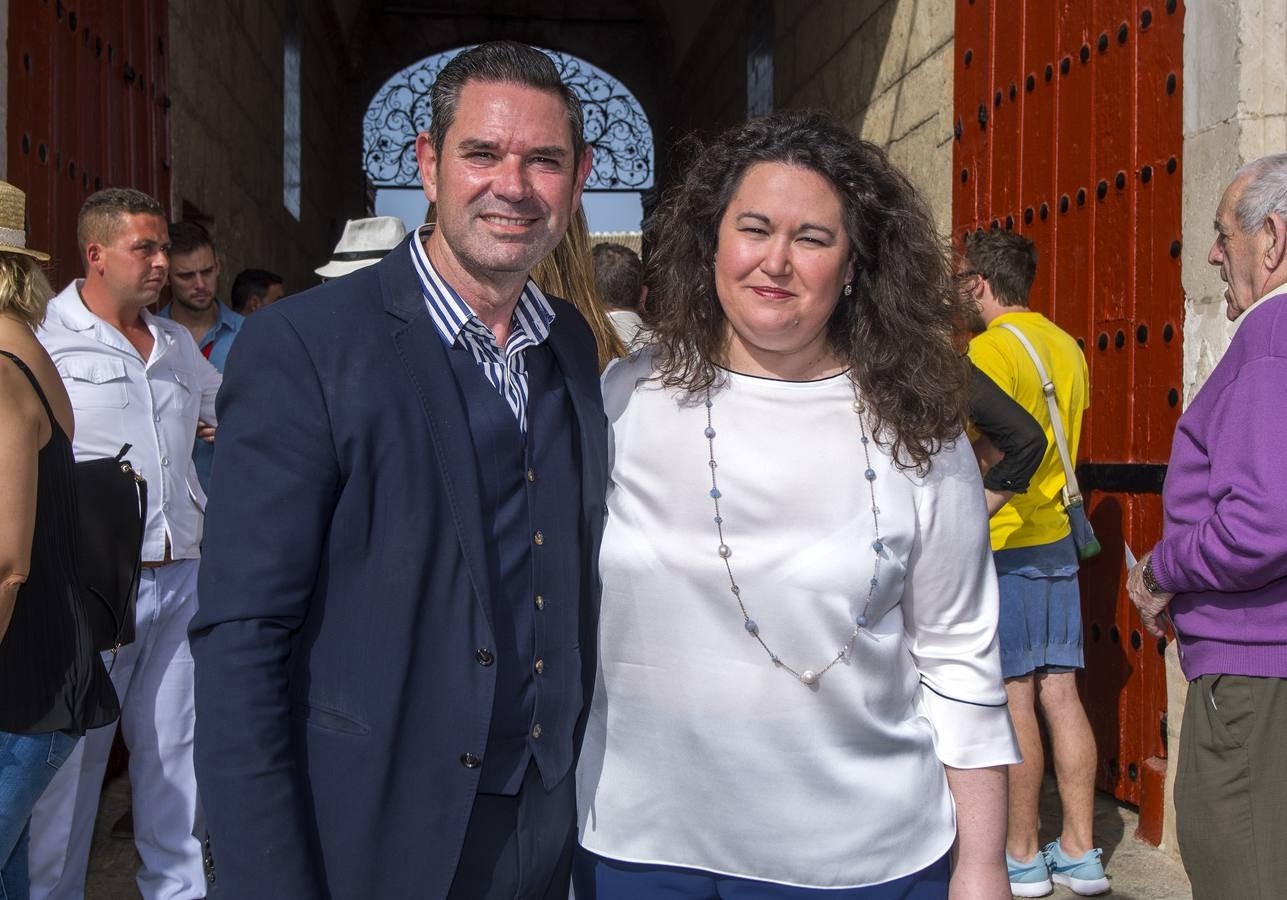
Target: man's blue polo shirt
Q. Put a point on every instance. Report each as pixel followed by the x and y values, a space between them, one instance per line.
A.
pixel 214 346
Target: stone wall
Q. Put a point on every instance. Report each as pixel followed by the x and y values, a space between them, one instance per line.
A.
pixel 884 67
pixel 226 77
pixel 1235 110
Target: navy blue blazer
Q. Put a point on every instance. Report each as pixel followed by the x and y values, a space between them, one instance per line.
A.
pixel 343 594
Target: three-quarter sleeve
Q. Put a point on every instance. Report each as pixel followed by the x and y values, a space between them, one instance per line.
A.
pixel 951 606
pixel 1011 429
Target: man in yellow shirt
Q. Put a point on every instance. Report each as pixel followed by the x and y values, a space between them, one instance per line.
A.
pixel 1036 560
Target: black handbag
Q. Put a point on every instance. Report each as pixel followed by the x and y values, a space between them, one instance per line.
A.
pixel 111 505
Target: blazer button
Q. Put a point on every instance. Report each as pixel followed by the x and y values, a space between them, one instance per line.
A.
pixel 539 538
pixel 536 730
pixel 540 667
pixel 531 474
pixel 540 602
pixel 469 761
pixel 484 656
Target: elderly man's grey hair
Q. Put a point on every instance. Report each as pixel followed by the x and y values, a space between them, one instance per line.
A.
pixel 1265 193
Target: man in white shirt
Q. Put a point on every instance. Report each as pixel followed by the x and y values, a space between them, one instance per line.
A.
pixel 134 379
pixel 618 279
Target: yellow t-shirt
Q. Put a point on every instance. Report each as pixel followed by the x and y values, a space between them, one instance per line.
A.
pixel 1037 516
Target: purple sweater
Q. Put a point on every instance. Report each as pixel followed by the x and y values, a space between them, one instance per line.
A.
pixel 1224 542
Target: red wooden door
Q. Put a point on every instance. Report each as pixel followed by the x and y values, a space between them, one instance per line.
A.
pixel 88 109
pixel 1068 130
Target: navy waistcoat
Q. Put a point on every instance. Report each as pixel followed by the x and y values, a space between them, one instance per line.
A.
pixel 531 492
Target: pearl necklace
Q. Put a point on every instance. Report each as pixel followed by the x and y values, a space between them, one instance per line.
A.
pixel 808 677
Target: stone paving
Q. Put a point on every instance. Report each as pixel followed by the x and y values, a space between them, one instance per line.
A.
pixel 1139 871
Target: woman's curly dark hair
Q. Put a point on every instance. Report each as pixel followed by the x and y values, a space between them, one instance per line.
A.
pixel 894 332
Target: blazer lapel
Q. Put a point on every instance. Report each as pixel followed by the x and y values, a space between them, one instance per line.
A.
pixel 424 358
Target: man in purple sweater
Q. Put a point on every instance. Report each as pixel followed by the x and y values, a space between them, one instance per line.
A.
pixel 1221 566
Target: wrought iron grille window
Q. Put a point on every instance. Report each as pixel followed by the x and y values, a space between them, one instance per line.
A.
pixel 615 125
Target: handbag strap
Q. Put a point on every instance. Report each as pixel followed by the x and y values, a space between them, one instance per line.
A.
pixel 1056 422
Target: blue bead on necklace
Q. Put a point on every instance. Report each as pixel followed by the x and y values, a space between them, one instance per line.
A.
pixel 808 677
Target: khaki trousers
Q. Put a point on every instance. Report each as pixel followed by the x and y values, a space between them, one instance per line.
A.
pixel 1231 788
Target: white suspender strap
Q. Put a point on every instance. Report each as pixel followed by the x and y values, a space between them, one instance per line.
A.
pixel 1072 489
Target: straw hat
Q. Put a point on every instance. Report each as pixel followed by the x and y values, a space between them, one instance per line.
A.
pixel 365 241
pixel 13 222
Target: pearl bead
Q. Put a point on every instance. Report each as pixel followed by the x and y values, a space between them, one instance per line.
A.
pixel 862 620
pixel 709 404
pixel 715 493
pixel 877 545
pixel 870 474
pixel 724 551
pixel 751 626
pixel 719 520
pixel 808 676
pixel 709 432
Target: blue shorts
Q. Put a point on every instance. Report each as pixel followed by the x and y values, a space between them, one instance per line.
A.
pixel 1040 626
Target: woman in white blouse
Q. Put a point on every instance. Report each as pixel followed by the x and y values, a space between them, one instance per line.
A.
pixel 799 690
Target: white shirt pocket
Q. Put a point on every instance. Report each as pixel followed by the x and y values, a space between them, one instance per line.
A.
pixel 94 381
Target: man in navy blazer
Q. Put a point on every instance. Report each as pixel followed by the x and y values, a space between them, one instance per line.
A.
pixel 398 601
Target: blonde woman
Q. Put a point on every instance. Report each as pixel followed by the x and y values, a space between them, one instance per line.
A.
pixel 52 684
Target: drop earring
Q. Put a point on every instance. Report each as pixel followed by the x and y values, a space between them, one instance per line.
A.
pixel 849 290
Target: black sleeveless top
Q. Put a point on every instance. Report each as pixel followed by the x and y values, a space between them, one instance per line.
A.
pixel 51 678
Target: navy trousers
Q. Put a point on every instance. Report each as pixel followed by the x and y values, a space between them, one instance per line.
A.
pixel 519 847
pixel 599 878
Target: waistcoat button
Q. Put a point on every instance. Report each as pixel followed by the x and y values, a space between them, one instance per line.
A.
pixel 540 602
pixel 469 761
pixel 531 474
pixel 540 666
pixel 536 730
pixel 539 538
pixel 484 656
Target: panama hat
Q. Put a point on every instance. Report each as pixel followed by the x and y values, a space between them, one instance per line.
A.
pixel 365 241
pixel 13 222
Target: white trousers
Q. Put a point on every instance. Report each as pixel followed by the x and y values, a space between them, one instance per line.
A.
pixel 153 678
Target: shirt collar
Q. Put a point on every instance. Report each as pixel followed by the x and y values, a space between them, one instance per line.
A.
pixel 72 309
pixel 532 314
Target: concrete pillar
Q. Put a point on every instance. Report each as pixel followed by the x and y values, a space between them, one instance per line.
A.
pixel 1235 110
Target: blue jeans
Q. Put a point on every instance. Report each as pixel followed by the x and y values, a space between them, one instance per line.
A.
pixel 27 765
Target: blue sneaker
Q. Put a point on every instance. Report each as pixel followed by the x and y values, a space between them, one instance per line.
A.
pixel 1084 875
pixel 1030 879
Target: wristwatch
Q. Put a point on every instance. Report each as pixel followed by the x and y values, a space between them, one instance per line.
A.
pixel 1150 580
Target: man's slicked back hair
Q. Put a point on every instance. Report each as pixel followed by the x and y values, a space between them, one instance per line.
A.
pixel 186 237
pixel 1007 260
pixel 500 62
pixel 102 212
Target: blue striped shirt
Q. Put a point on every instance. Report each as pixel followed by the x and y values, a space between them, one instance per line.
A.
pixel 505 369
